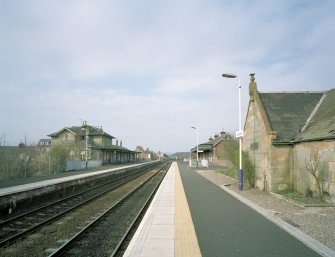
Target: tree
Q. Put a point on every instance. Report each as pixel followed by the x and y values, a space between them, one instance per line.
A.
pixel 315 167
pixel 231 152
pixel 59 154
pixel 27 156
pixel 248 169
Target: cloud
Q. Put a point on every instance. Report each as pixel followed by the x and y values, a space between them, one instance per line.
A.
pixel 149 70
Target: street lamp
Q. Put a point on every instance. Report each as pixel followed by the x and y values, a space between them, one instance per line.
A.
pixel 196 129
pixel 239 134
pixel 86 144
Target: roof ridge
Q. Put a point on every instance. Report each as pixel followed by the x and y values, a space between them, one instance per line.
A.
pixel 316 108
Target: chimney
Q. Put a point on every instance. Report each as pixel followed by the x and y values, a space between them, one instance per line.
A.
pixel 222 132
pixel 121 142
pixel 117 142
pixel 252 87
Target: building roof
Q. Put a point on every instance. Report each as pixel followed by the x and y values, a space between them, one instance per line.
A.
pixel 321 124
pixel 120 149
pixel 212 142
pixel 288 112
pixel 44 141
pixel 202 147
pixel 93 131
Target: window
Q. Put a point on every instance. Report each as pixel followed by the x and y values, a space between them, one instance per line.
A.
pixel 72 155
pixel 82 155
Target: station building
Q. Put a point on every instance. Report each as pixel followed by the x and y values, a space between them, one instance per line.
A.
pixel 284 133
pixel 93 144
pixel 214 150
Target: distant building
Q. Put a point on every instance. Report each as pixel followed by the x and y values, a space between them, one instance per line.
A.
pixel 281 132
pixel 144 155
pixel 92 143
pixel 213 150
pixel 160 155
pixel 44 145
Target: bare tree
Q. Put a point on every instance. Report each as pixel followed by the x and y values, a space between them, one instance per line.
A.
pixel 315 167
pixel 3 141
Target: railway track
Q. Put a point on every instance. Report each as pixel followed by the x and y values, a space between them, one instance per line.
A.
pixel 105 235
pixel 17 227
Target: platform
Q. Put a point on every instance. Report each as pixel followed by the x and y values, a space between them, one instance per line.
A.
pixel 20 193
pixel 167 229
pixel 65 178
pixel 190 216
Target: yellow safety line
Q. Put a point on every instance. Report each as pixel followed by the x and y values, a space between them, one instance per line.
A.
pixel 186 242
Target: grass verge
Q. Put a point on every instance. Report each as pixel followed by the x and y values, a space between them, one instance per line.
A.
pixel 303 200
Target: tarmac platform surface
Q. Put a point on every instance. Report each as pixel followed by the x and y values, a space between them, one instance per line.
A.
pixel 190 216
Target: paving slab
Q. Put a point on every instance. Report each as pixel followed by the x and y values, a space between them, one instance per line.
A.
pixel 167 228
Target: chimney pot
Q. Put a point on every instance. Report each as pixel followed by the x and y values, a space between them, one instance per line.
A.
pixel 252 87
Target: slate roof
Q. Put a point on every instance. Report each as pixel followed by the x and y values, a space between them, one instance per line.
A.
pixel 93 131
pixel 288 112
pixel 115 148
pixel 208 146
pixel 202 148
pixel 322 123
pixel 44 141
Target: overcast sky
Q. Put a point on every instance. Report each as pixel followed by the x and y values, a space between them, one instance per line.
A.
pixel 146 71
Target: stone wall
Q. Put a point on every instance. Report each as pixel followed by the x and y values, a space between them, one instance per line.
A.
pixel 257 142
pixel 280 167
pixel 218 151
pixel 303 181
pixel 224 162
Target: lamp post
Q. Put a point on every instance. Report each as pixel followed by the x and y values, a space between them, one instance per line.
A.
pixel 86 147
pixel 196 129
pixel 86 142
pixel 239 134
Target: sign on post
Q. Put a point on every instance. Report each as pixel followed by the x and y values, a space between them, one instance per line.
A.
pixel 239 134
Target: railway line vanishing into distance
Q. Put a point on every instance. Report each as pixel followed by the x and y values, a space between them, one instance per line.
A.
pixel 93 222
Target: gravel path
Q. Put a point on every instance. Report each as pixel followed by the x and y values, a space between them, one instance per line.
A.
pixel 317 222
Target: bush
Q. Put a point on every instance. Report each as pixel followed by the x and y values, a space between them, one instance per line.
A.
pixel 231 152
pixel 248 169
